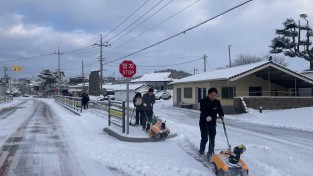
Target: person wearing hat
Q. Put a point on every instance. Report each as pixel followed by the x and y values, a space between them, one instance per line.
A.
pixel 148 99
pixel 209 108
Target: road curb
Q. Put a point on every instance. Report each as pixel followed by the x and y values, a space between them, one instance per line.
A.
pixel 132 139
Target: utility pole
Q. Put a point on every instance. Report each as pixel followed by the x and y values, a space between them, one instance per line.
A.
pixel 58 74
pixel 5 81
pixel 194 70
pixel 205 57
pixel 229 55
pixel 83 76
pixel 101 59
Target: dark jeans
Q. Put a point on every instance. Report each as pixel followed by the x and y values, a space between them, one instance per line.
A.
pixel 147 115
pixel 207 132
pixel 85 105
pixel 139 115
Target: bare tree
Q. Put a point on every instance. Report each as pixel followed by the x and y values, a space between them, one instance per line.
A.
pixel 244 59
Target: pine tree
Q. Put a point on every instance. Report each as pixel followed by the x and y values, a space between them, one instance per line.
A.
pixel 294 40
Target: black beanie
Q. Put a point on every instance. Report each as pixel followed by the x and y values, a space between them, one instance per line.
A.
pixel 212 89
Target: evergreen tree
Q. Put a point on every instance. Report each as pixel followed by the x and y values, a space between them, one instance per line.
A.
pixel 294 40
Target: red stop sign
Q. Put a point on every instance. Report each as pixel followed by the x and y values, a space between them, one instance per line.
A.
pixel 128 68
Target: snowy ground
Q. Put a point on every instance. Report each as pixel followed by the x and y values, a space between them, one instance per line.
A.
pixel 278 142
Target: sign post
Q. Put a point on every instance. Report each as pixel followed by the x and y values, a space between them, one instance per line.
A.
pixel 128 70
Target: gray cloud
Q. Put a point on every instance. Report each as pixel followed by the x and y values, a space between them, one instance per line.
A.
pixel 30 28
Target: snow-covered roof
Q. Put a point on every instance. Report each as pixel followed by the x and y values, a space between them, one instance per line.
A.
pixel 75 90
pixel 94 69
pixel 232 72
pixel 163 76
pixel 122 86
pixel 79 85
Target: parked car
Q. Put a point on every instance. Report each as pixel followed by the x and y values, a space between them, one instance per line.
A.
pixel 158 95
pixel 25 95
pixel 163 95
pixel 108 97
pixel 166 95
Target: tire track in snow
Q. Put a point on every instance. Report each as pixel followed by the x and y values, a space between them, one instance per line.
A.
pixel 36 148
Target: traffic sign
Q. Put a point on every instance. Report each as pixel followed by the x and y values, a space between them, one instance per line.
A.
pixel 128 68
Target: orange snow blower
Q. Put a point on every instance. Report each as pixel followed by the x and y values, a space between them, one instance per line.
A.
pixel 228 162
pixel 159 130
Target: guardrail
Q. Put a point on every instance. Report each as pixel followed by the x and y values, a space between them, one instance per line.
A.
pixel 71 102
pixel 4 99
pixel 116 109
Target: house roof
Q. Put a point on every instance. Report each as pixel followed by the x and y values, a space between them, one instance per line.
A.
pixel 155 77
pixel 123 86
pixel 279 72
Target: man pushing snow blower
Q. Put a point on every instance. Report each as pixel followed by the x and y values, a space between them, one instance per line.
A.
pixel 209 108
pixel 227 162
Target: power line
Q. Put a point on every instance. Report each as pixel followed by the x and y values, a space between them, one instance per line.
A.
pixel 80 50
pixel 142 66
pixel 136 20
pixel 72 68
pixel 183 32
pixel 30 57
pixel 126 18
pixel 77 51
pixel 155 25
pixel 171 64
pixel 143 21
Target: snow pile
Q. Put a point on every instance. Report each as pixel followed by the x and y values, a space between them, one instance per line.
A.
pixel 297 119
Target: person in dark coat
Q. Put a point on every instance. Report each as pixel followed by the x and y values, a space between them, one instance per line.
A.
pixel 148 99
pixel 87 100
pixel 84 100
pixel 138 106
pixel 209 108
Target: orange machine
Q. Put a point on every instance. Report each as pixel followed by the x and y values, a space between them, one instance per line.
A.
pixel 159 130
pixel 229 162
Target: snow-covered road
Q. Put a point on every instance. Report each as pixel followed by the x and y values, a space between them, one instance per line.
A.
pixel 34 146
pixel 270 150
pixel 46 139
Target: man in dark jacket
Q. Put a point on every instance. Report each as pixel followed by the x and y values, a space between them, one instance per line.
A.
pixel 148 99
pixel 209 108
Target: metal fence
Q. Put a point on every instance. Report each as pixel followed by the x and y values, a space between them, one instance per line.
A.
pixel 4 99
pixel 116 109
pixel 71 102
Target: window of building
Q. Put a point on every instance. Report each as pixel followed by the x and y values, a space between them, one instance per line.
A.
pixel 201 93
pixel 228 92
pixel 255 91
pixel 188 92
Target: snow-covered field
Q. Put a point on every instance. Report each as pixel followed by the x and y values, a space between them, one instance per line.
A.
pixel 287 151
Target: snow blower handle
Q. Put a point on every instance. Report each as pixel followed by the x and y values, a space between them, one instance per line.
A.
pixel 229 146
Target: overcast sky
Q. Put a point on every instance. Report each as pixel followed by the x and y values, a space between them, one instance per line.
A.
pixel 32 30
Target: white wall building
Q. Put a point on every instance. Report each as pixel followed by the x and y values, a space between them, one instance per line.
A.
pixel 120 90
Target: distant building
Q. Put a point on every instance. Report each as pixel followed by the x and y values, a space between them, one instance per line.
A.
pixel 78 80
pixel 159 81
pixel 120 90
pixel 94 83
